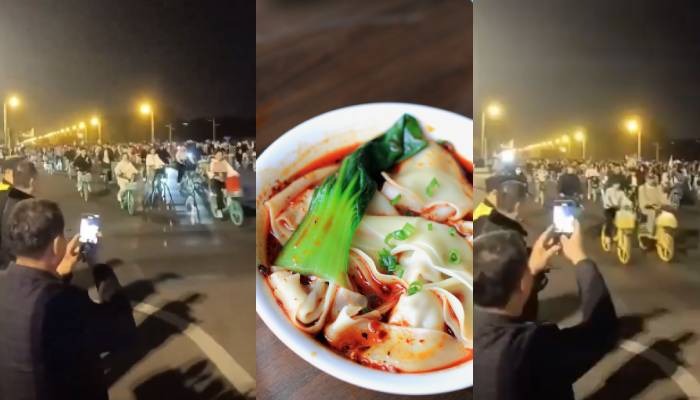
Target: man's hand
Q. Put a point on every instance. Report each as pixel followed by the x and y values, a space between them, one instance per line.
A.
pixel 544 248
pixel 65 267
pixel 572 246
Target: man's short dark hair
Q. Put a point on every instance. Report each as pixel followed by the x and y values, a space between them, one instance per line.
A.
pixel 23 173
pixel 510 193
pixel 500 259
pixel 32 226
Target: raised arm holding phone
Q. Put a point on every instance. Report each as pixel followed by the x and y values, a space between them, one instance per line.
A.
pixel 52 333
pixel 525 359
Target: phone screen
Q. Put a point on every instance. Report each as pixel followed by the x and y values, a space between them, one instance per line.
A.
pixel 89 228
pixel 564 215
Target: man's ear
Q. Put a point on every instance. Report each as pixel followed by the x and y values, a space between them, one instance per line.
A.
pixel 56 245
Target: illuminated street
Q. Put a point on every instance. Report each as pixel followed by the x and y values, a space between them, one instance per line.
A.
pixel 192 289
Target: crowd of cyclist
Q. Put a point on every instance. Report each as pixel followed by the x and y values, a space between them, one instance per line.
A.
pixel 144 165
pixel 644 187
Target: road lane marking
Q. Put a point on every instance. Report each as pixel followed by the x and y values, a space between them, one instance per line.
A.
pixel 684 379
pixel 227 365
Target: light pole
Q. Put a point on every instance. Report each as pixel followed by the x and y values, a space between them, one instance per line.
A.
pixel 580 137
pixel 493 110
pixel 656 144
pixel 11 102
pixel 95 121
pixel 170 132
pixel 146 109
pixel 213 129
pixel 634 126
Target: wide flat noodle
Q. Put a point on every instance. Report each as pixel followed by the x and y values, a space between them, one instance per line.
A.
pixel 287 208
pixel 449 199
pixel 306 307
pixel 392 347
pixel 430 245
pixel 458 311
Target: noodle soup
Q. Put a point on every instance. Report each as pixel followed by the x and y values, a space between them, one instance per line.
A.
pixel 367 250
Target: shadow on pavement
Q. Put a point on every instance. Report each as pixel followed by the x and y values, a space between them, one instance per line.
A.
pixel 639 373
pixel 198 381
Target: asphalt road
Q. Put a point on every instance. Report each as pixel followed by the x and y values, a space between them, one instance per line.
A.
pixel 193 291
pixel 658 305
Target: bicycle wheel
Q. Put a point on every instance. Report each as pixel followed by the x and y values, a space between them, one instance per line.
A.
pixel 192 209
pixel 665 247
pixel 604 240
pixel 624 247
pixel 167 197
pixel 130 204
pixel 235 212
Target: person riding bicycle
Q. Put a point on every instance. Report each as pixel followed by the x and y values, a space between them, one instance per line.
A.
pixel 219 170
pixel 125 172
pixel 83 165
pixel 593 179
pixel 155 167
pixel 614 199
pixel 569 184
pixel 651 199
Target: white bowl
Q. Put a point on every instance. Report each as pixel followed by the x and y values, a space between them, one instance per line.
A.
pixel 305 143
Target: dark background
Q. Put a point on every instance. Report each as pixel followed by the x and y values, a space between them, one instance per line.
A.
pixel 314 56
pixel 69 59
pixel 557 64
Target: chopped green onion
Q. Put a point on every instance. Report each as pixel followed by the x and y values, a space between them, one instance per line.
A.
pixel 430 226
pixel 399 271
pixel 409 229
pixel 452 231
pixel 387 260
pixel 402 234
pixel 454 256
pixel 432 187
pixel 396 200
pixel 415 287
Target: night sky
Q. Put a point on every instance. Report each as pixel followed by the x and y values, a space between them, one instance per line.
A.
pixel 557 64
pixel 70 58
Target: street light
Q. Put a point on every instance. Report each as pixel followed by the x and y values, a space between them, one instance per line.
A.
pixel 493 111
pixel 565 139
pixel 633 126
pixel 11 102
pixel 146 109
pixel 95 121
pixel 580 137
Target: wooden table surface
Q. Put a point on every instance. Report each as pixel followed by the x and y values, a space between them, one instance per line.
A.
pixel 314 56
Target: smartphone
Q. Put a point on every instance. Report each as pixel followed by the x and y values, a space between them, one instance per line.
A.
pixel 89 228
pixel 564 216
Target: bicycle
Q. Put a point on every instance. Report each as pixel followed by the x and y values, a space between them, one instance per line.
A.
pixel 127 200
pixel 624 224
pixel 160 192
pixel 232 206
pixel 191 187
pixel 233 193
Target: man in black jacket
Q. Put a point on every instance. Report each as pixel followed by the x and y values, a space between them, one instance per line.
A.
pixel 522 359
pixel 569 184
pixel 24 175
pixel 51 333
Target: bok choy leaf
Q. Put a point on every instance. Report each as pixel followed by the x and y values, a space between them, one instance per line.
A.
pixel 321 244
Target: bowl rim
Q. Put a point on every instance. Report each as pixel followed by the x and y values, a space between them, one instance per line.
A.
pixel 323 358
